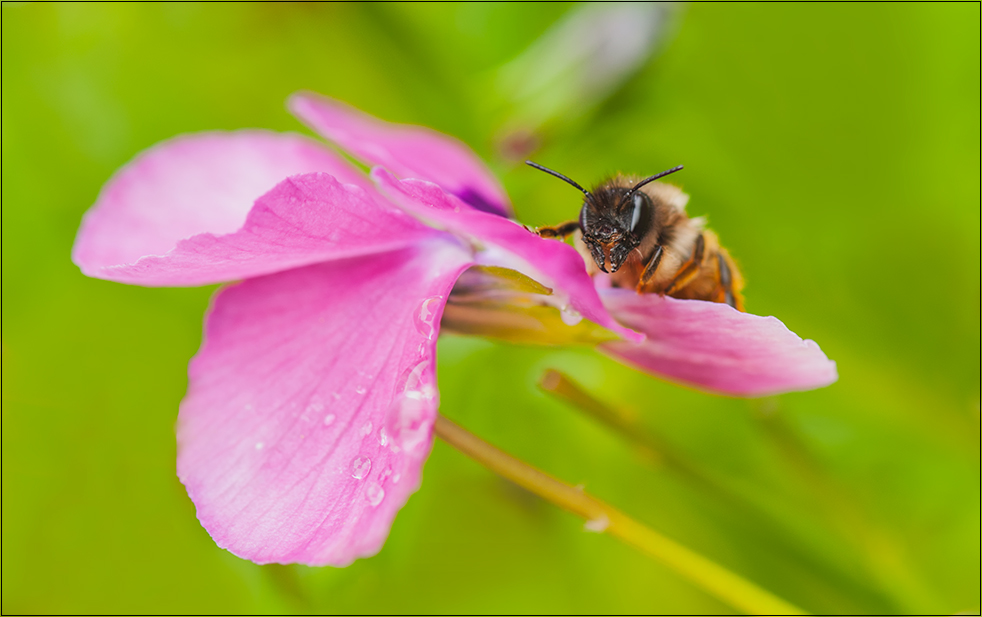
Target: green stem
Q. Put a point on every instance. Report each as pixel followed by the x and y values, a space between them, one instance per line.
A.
pixel 716 580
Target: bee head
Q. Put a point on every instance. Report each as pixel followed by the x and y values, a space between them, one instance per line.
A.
pixel 613 219
pixel 613 226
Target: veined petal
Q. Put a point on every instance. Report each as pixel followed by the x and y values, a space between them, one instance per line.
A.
pixel 303 220
pixel 501 242
pixel 193 184
pixel 715 347
pixel 311 402
pixel 406 150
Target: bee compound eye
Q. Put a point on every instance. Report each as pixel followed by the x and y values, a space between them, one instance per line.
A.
pixel 640 200
pixel 583 217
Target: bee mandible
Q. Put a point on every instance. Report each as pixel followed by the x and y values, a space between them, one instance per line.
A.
pixel 637 231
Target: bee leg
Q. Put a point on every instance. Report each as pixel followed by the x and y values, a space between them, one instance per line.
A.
pixel 558 231
pixel 690 268
pixel 650 269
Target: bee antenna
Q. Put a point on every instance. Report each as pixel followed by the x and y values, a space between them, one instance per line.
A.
pixel 560 176
pixel 635 188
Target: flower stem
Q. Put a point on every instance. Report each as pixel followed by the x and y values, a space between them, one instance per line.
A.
pixel 711 577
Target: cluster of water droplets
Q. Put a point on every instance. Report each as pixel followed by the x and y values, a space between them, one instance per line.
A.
pixel 407 420
pixel 361 468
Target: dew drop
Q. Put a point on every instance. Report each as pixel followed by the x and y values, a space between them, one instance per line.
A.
pixel 335 395
pixel 383 439
pixel 396 478
pixel 426 316
pixel 414 379
pixel 569 316
pixel 315 407
pixel 329 419
pixel 409 417
pixel 366 428
pixel 385 474
pixel 597 525
pixel 375 494
pixel 361 389
pixel 360 466
pixel 259 445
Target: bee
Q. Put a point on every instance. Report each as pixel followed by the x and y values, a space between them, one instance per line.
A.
pixel 637 231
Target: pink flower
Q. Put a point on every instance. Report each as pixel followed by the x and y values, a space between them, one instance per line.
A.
pixel 310 404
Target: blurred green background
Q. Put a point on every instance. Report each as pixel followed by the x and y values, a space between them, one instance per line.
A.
pixel 836 149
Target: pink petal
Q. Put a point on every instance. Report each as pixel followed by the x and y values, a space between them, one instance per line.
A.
pixel 311 403
pixel 193 184
pixel 716 347
pixel 502 242
pixel 304 219
pixel 405 150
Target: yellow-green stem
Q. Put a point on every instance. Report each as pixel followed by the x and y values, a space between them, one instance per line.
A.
pixel 716 580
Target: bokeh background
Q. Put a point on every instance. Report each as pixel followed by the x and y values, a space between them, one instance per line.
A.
pixel 836 150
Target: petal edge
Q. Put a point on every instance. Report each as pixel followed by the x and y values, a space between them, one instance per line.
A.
pixel 193 184
pixel 714 347
pixel 303 220
pixel 406 150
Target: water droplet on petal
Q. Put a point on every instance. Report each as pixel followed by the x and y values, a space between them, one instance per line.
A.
pixel 385 474
pixel 329 419
pixel 361 389
pixel 335 395
pixel 569 316
pixel 375 494
pixel 383 439
pixel 259 445
pixel 366 428
pixel 360 466
pixel 315 406
pixel 396 478
pixel 597 525
pixel 416 378
pixel 409 418
pixel 426 316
